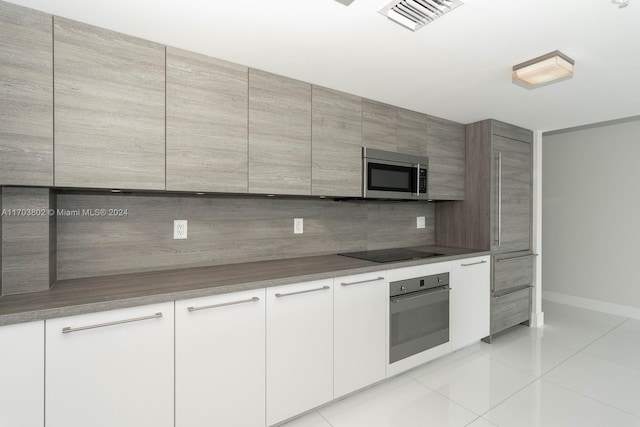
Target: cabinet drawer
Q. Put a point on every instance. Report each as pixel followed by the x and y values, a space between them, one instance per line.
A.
pixel 512 271
pixel 510 309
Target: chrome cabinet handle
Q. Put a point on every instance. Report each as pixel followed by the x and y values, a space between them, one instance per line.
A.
pixel 515 257
pixel 69 329
pixel 473 263
pixel 361 281
pixel 303 292
pixel 224 304
pixel 499 199
pixel 511 293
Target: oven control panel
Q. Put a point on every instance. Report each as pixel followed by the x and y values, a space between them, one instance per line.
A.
pixel 416 284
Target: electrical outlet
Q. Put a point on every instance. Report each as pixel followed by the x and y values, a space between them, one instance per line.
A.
pixel 420 222
pixel 180 229
pixel 298 225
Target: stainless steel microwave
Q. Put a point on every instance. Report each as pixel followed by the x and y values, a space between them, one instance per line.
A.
pixel 389 175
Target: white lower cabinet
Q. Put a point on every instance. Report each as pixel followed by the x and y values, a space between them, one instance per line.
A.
pixel 22 375
pixel 360 322
pixel 112 368
pixel 220 360
pixel 299 348
pixel 470 301
pixel 241 359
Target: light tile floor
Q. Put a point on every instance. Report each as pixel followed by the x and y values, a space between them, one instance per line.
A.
pixel 581 369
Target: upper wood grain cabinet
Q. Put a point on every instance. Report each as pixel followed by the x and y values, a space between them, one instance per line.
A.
pixel 279 134
pixel 379 125
pixel 109 109
pixel 512 132
pixel 390 128
pixel 412 132
pixel 336 144
pixel 207 111
pixel 26 104
pixel 446 152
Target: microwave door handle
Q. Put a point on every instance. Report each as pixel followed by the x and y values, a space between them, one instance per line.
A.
pixel 418 180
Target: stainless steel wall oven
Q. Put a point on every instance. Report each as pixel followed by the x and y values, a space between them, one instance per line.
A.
pixel 419 315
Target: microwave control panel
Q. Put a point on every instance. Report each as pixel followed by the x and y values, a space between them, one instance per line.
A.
pixel 423 181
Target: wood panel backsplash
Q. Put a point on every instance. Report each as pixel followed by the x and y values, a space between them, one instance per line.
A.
pixel 223 230
pixel 28 240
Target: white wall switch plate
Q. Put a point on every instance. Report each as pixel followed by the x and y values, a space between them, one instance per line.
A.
pixel 298 225
pixel 420 222
pixel 180 229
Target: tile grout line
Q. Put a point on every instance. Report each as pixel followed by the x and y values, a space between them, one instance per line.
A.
pixel 579 351
pixel 536 378
pixel 595 357
pixel 513 367
pixel 536 375
pixel 323 417
pixel 540 377
pixel 509 397
pixel 589 397
pixel 622 365
pixel 442 395
pixel 482 419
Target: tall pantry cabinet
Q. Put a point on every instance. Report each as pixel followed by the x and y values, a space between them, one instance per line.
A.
pixel 496 215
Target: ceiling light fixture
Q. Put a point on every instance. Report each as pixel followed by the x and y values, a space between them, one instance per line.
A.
pixel 415 14
pixel 544 69
pixel 621 3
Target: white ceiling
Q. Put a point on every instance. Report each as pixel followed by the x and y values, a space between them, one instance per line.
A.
pixel 458 67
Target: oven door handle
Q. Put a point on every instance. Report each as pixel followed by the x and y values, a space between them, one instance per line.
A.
pixel 415 300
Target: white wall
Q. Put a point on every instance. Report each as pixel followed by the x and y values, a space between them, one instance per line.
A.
pixel 591 217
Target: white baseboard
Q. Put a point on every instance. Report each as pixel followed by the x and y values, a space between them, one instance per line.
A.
pixel 592 304
pixel 537 320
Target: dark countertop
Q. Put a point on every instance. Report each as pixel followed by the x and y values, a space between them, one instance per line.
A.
pixel 78 296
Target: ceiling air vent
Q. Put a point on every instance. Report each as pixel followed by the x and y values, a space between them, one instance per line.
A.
pixel 415 14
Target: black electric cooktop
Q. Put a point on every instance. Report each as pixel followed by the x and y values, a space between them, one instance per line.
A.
pixel 390 255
